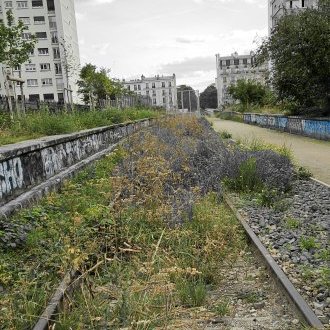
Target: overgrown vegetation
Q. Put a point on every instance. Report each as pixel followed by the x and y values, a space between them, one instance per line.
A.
pixel 43 123
pixel 300 70
pixel 149 216
pixel 250 93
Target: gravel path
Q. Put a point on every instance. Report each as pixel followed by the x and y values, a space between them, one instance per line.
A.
pixel 296 232
pixel 310 153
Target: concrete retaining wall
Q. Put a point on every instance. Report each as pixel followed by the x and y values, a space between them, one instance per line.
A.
pixel 26 165
pixel 316 128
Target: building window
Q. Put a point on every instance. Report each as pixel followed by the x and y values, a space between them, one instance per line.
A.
pixel 245 61
pixel 59 83
pixel 153 93
pixel 58 68
pixel 45 66
pixel 22 4
pixel 47 82
pixel 56 53
pixel 49 97
pixel 153 85
pixel 163 84
pixel 34 97
pixel 41 35
pixel 135 87
pixel 60 97
pixel 227 63
pixel 32 82
pixel 8 4
pixel 224 79
pixel 170 92
pixel 37 4
pixel 50 5
pixel 43 51
pixel 290 4
pixel 52 22
pixel 129 87
pixel 26 35
pixel 303 3
pixel 139 87
pixel 147 86
pixel 164 100
pixel 147 92
pixel 54 37
pixel 30 67
pixel 164 92
pixel 154 101
pixel 169 84
pixel 38 20
pixel 236 61
pixel 25 20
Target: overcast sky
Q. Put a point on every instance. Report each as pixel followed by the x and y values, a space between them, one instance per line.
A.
pixel 135 37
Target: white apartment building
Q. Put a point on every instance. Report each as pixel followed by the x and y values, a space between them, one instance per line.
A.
pixel 53 23
pixel 232 68
pixel 161 90
pixel 276 9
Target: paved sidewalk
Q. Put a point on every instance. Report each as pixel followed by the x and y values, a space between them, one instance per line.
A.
pixel 310 153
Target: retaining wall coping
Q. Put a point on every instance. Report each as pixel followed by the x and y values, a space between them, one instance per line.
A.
pixel 17 149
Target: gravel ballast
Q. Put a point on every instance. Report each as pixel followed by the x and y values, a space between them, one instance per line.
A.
pixel 296 232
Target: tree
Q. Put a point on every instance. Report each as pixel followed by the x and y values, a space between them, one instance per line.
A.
pixel 248 92
pixel 95 85
pixel 14 49
pixel 189 100
pixel 209 98
pixel 298 49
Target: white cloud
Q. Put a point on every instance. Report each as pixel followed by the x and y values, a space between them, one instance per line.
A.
pixel 101 48
pixel 259 3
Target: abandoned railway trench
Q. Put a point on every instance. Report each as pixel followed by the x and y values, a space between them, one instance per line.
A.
pixel 176 228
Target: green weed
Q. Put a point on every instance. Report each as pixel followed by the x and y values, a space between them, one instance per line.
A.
pixel 247 180
pixel 291 223
pixel 307 243
pixel 222 308
pixel 225 135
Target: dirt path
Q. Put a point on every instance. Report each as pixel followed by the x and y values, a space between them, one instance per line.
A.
pixel 310 153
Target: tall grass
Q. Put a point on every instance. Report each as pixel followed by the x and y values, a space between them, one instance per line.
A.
pixel 45 123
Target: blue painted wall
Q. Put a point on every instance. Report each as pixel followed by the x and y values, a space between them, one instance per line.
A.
pixel 316 128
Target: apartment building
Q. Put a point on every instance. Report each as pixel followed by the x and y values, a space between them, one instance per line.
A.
pixel 232 68
pixel 161 90
pixel 52 71
pixel 276 9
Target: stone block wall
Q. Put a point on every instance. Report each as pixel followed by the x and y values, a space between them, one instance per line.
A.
pixel 26 165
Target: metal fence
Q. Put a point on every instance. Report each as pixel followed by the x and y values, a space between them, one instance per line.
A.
pixel 316 128
pixel 120 102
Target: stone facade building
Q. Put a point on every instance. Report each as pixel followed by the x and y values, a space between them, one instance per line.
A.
pixel 54 24
pixel 276 9
pixel 232 68
pixel 161 90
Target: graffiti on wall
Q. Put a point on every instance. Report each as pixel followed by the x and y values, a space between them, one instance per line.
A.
pixel 11 176
pixel 18 174
pixel 311 127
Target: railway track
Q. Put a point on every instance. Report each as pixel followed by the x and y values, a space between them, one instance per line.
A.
pixel 255 289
